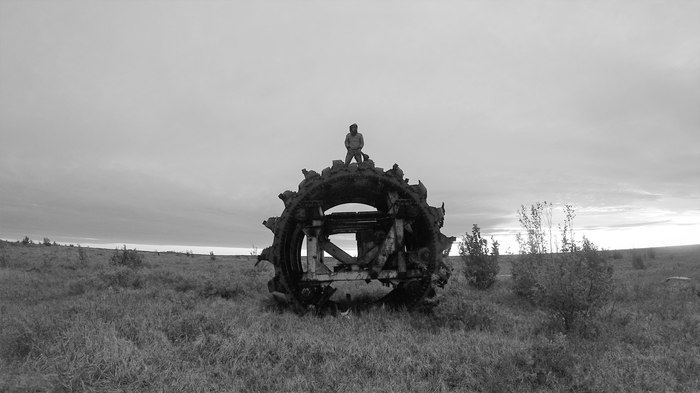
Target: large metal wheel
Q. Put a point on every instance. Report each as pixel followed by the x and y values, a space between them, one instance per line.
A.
pixel 400 244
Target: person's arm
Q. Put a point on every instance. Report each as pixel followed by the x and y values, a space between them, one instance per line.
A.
pixel 347 141
pixel 362 141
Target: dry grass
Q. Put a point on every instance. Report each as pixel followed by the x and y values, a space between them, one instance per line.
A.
pixel 195 324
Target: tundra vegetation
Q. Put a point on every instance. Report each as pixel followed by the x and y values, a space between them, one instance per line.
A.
pixel 73 319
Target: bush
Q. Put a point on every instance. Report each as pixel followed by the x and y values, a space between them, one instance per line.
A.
pixel 638 262
pixel 47 241
pixel 128 258
pixel 480 268
pixel 82 256
pixel 651 253
pixel 27 241
pixel 571 286
pixel 122 277
pixel 525 271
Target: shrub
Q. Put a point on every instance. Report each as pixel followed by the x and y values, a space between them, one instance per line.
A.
pixel 525 271
pixel 571 286
pixel 27 241
pixel 638 261
pixel 480 268
pixel 651 253
pixel 122 277
pixel 578 286
pixel 47 241
pixel 128 258
pixel 82 256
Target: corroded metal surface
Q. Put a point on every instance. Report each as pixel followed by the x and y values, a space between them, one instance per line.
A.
pixel 400 244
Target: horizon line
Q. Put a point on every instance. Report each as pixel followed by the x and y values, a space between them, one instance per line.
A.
pixel 239 251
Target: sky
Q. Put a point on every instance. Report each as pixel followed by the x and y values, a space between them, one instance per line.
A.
pixel 175 124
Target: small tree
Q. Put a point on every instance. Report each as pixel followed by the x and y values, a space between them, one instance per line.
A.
pixel 480 267
pixel 531 220
pixel 572 285
pixel 567 232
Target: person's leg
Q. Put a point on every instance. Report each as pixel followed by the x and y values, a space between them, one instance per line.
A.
pixel 358 156
pixel 348 157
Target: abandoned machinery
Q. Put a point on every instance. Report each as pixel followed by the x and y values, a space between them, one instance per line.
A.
pixel 399 244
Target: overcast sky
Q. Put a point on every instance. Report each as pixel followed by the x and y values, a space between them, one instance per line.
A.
pixel 179 122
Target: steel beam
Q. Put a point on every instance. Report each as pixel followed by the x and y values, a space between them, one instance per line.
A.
pixel 362 275
pixel 314 253
pixel 338 253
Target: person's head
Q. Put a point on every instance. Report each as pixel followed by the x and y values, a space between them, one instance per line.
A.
pixel 353 128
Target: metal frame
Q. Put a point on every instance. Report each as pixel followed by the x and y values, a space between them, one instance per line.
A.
pixel 370 263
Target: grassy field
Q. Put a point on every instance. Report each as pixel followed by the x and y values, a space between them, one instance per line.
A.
pixel 191 324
